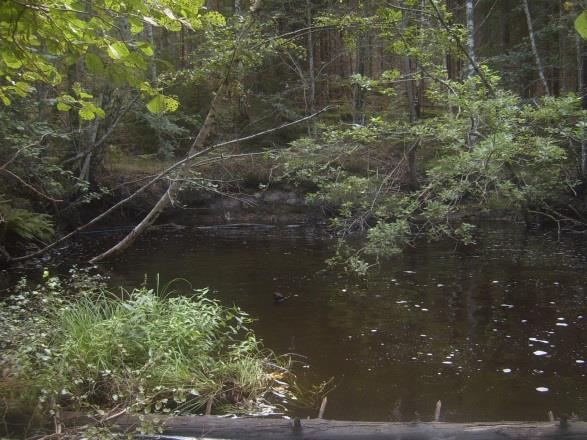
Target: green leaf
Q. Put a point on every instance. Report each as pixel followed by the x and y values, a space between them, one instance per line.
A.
pixel 22 88
pixel 94 63
pixel 171 104
pixel 162 103
pixel 5 100
pixel 63 107
pixel 581 24
pixel 86 114
pixel 11 60
pixel 146 49
pixel 118 51
pixel 136 25
pixel 101 113
pixel 157 104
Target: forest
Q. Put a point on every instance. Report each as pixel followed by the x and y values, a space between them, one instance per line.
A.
pixel 196 151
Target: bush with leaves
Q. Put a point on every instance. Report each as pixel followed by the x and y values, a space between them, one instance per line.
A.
pixel 489 154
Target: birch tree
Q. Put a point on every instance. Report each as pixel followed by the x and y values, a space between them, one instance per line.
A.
pixel 537 59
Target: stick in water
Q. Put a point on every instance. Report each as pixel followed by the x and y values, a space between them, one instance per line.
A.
pixel 437 411
pixel 323 407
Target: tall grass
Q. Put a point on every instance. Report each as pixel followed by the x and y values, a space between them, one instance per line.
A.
pixel 142 350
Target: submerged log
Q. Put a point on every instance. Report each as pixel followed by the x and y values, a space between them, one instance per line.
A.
pixel 283 429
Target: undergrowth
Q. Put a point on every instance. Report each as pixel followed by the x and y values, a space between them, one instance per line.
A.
pixel 75 346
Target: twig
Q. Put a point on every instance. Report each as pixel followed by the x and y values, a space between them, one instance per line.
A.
pixel 29 186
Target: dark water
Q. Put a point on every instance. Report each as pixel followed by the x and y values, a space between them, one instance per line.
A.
pixel 480 328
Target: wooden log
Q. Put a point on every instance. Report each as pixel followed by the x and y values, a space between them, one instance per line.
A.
pixel 283 429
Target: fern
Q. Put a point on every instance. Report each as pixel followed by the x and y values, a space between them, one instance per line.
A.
pixel 25 224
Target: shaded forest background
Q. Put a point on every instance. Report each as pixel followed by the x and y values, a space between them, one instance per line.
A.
pixel 434 110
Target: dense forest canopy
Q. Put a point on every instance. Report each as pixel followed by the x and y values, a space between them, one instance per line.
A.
pixel 402 119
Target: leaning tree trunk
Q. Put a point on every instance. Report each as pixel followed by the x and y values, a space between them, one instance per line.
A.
pixel 535 48
pixel 171 191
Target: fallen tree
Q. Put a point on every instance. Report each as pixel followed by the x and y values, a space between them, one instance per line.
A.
pixel 317 429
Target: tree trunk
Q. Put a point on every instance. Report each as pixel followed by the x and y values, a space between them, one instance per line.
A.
pixel 470 19
pixel 311 68
pixel 167 198
pixel 91 136
pixel 414 116
pixel 582 91
pixel 414 112
pixel 562 51
pixel 535 48
pixel 152 65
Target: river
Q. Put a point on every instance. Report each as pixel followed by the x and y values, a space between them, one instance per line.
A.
pixel 496 331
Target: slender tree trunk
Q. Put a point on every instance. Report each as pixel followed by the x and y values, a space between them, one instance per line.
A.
pixel 414 112
pixel 91 136
pixel 470 19
pixel 412 160
pixel 169 195
pixel 152 65
pixel 162 151
pixel 182 47
pixel 562 50
pixel 535 48
pixel 582 91
pixel 311 68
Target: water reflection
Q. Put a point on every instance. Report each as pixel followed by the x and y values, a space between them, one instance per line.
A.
pixel 495 331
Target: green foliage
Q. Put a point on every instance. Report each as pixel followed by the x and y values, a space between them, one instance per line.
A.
pixel 491 153
pixel 152 353
pixel 40 42
pixel 25 224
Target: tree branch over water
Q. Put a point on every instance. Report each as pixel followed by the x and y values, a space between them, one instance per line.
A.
pixel 159 177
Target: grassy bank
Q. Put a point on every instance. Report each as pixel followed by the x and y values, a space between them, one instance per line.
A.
pixel 75 346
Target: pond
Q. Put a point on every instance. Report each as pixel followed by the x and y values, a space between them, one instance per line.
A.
pixel 496 331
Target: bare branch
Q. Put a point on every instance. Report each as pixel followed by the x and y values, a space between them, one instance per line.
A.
pixel 29 186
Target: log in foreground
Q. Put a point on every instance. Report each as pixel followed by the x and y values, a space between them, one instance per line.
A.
pixel 210 427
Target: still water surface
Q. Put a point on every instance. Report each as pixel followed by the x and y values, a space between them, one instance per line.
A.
pixel 497 331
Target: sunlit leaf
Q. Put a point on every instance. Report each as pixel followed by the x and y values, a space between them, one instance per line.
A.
pixel 63 107
pixel 11 60
pixel 86 114
pixel 157 104
pixel 118 50
pixel 171 104
pixel 581 24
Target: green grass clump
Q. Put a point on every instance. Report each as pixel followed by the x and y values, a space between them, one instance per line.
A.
pixel 139 350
